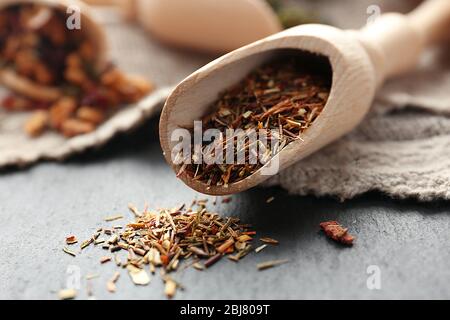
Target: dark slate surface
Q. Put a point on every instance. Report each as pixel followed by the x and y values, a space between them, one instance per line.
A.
pixel 39 206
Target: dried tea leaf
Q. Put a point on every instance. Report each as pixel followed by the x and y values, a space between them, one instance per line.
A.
pixel 70 252
pixel 260 248
pixel 105 259
pixel 270 264
pixel 67 294
pixel 138 276
pixel 170 288
pixel 270 199
pixel 86 243
pixel 99 241
pixel 227 199
pixel 111 284
pixel 213 260
pixel 113 218
pixel 244 238
pixel 154 257
pixel 115 277
pixel 117 260
pixel 240 245
pixel 227 244
pixel 198 266
pixel 199 252
pixel 113 239
pixel 269 241
pixel 134 210
pixel 241 254
pixel 92 276
pixel 111 287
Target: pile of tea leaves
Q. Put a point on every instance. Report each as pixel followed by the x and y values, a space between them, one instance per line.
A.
pixel 169 241
pixel 282 99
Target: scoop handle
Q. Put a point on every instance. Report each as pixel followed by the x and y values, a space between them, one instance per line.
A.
pixel 395 41
pixel 432 20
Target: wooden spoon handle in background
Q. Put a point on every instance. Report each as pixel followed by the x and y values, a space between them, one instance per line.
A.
pixel 395 42
pixel 212 26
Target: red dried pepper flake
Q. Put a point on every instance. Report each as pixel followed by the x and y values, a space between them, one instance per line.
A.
pixel 71 239
pixel 337 232
pixel 18 103
pixel 41 105
pixel 227 200
pixel 95 97
pixel 165 260
pixel 229 250
pixel 8 103
pixel 214 229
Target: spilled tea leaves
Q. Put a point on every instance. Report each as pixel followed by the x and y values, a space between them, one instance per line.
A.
pixel 172 240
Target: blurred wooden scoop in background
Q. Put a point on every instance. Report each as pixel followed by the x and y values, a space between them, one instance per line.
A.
pixel 203 25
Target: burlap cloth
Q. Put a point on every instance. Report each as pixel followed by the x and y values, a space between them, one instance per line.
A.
pixel 402 148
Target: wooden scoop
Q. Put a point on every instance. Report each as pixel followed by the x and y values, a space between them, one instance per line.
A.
pixel 360 62
pixel 203 25
pixel 24 86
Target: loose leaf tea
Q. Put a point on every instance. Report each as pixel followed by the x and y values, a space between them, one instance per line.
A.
pixel 105 260
pixel 113 218
pixel 260 248
pixel 270 200
pixel 170 288
pixel 67 294
pixel 139 276
pixel 269 241
pixel 165 238
pixel 279 100
pixel 69 252
pixel 337 232
pixel 50 55
pixel 111 284
pixel 270 264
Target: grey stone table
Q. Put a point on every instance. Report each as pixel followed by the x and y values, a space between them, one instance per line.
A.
pixel 406 241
